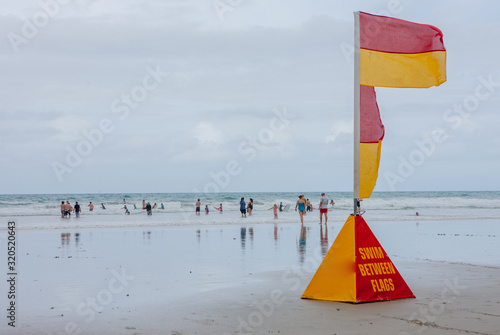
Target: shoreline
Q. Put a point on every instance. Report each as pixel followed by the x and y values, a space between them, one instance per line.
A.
pixel 185 219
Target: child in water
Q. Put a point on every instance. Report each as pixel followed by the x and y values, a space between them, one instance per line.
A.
pixel 206 209
pixel 275 207
pixel 219 208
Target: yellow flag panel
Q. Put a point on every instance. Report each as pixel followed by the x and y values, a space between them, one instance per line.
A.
pixel 420 70
pixel 369 157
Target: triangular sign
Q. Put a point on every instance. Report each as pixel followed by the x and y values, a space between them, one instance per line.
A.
pixel 357 269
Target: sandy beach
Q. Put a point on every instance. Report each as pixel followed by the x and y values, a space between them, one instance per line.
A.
pixel 247 279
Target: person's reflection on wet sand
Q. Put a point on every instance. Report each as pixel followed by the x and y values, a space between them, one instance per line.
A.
pixel 146 237
pixel 243 235
pixel 65 238
pixel 250 232
pixel 302 243
pixel 323 239
pixel 198 235
pixel 77 239
pixel 276 234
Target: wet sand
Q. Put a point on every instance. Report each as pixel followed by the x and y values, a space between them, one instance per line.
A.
pixel 248 278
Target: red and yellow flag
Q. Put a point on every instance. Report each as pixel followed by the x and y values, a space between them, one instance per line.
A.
pixel 393 53
pixel 398 53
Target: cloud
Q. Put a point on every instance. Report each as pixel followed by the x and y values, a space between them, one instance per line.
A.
pixel 207 135
pixel 338 128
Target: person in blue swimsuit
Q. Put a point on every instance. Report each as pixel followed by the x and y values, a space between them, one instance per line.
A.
pixel 301 204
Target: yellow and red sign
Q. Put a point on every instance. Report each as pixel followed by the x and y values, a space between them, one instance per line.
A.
pixel 357 269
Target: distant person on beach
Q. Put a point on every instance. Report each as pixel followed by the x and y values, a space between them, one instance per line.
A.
pixel 323 208
pixel 281 206
pixel 63 210
pixel 143 204
pixel 135 207
pixel 219 208
pixel 308 205
pixel 243 208
pixel 161 206
pixel 417 214
pixel 250 206
pixel 275 207
pixel 69 209
pixel 77 209
pixel 154 206
pixel 301 205
pixel 198 207
pixel 206 209
pixel 148 209
pixel 332 202
pixel 102 206
pixel 358 206
pixel 91 207
pixel 127 212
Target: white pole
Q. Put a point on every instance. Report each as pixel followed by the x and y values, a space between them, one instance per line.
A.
pixel 356 110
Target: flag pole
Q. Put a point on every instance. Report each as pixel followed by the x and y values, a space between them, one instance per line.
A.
pixel 356 111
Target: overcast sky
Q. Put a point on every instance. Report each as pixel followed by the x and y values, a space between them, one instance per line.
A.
pixel 234 95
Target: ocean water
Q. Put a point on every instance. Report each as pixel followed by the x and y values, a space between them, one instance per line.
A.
pixel 39 211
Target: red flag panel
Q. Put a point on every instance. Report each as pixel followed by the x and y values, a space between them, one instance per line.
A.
pixel 371 127
pixel 387 34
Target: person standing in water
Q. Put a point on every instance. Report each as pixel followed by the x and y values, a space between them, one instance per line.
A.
pixel 63 210
pixel 91 207
pixel 148 209
pixel 69 209
pixel 243 207
pixel 198 205
pixel 301 205
pixel 250 206
pixel 358 205
pixel 77 209
pixel 275 207
pixel 323 208
pixel 219 208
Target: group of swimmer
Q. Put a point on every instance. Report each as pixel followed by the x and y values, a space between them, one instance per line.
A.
pixel 303 205
pixel 207 210
pixel 66 209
